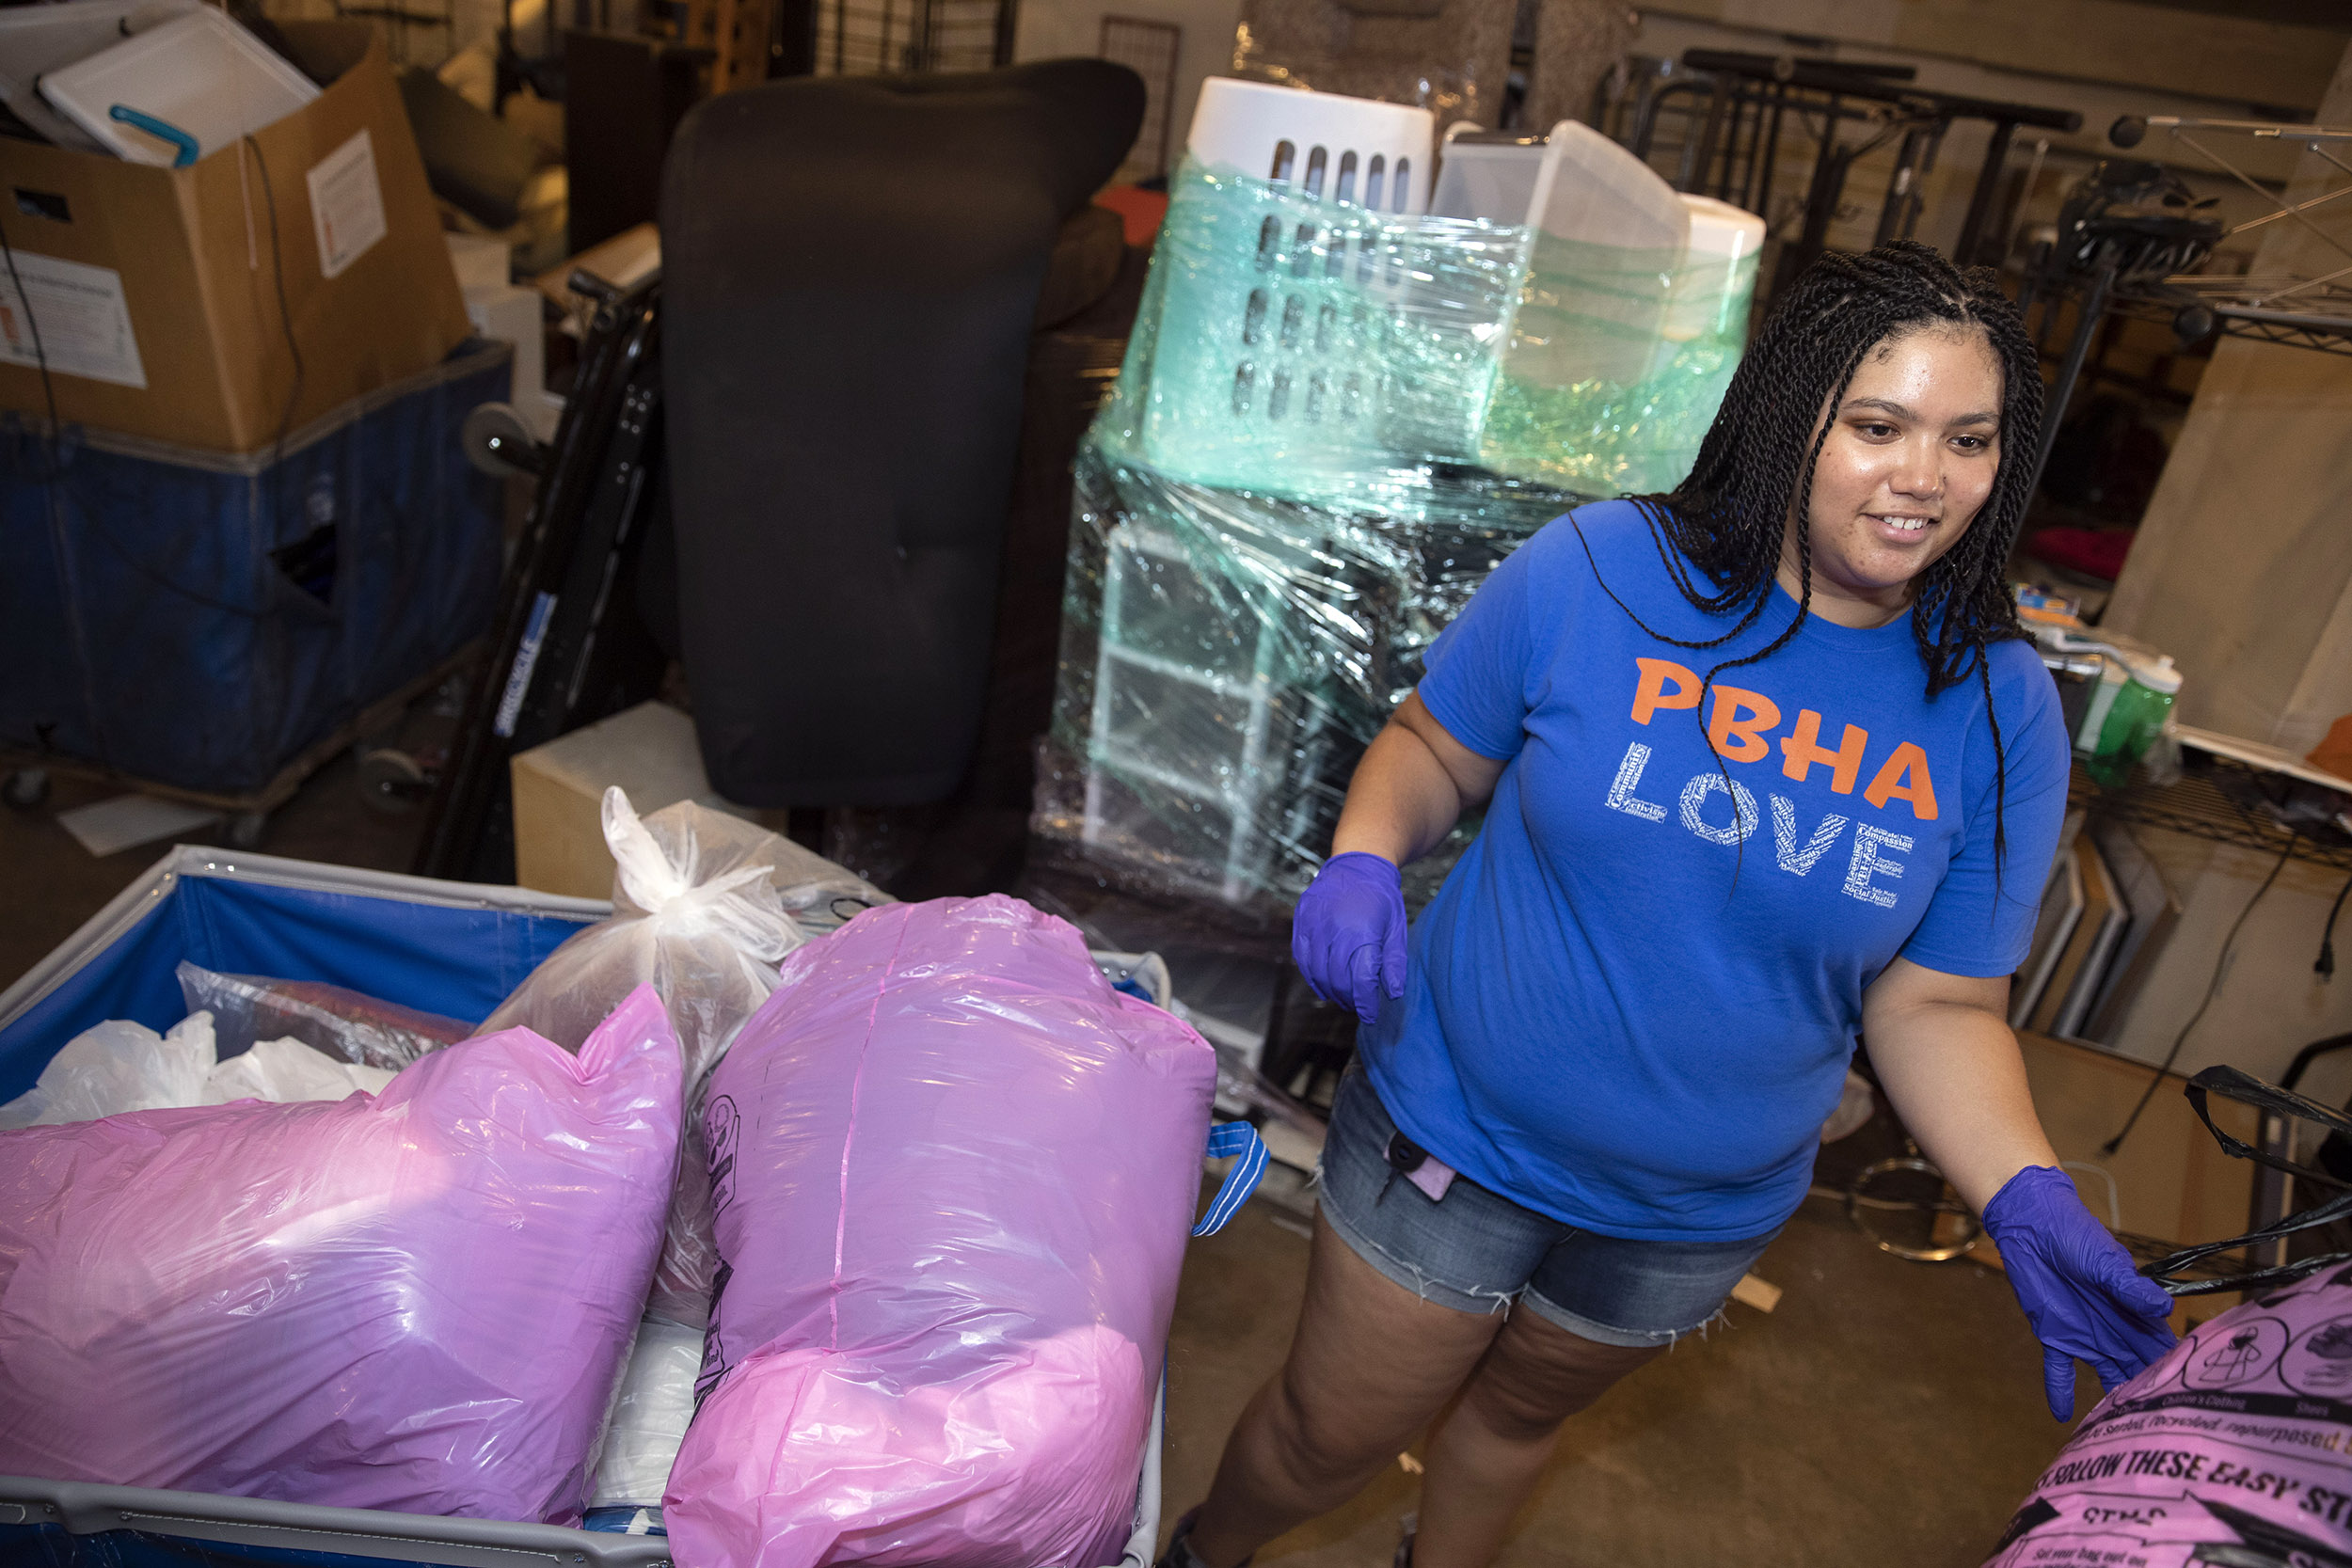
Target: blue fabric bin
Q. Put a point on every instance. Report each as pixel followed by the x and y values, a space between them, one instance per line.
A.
pixel 455 948
pixel 200 619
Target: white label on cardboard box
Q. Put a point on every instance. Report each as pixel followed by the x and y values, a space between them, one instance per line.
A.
pixel 346 204
pixel 75 314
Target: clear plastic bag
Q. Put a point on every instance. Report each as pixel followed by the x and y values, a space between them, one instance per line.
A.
pixel 416 1301
pixel 121 1066
pixel 339 1022
pixel 118 1067
pixel 650 1412
pixel 283 1071
pixel 955 1174
pixel 705 906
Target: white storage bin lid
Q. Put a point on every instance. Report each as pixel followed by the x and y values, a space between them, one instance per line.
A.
pixel 1720 231
pixel 1721 237
pixel 202 73
pixel 35 40
pixel 1341 148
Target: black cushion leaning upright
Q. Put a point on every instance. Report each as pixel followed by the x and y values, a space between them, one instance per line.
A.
pixel 852 267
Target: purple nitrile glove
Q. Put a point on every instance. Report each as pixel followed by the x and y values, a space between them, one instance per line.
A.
pixel 2077 1286
pixel 1348 935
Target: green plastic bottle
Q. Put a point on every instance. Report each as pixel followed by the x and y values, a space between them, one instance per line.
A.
pixel 2136 718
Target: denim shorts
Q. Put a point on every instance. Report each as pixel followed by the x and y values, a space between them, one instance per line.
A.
pixel 1477 1251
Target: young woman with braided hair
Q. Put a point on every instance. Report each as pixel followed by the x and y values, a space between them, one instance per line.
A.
pixel 1766 772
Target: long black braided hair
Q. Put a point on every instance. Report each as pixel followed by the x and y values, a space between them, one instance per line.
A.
pixel 1720 531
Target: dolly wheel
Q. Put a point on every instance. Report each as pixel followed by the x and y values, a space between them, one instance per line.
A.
pixel 392 780
pixel 247 828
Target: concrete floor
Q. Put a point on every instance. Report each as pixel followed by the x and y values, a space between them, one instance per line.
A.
pixel 1885 1412
pixel 56 884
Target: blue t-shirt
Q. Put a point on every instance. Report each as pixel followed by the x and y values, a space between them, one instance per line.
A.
pixel 1632 1004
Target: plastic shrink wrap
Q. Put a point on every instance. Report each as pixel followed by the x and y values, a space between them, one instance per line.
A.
pixel 1273 517
pixel 2231 1449
pixel 955 1174
pixel 704 906
pixel 417 1300
pixel 1331 424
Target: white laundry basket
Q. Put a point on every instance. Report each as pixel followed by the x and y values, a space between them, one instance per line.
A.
pixel 1307 324
pixel 1346 150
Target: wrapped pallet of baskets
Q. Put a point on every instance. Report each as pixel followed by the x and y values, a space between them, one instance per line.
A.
pixel 1337 415
pixel 1227 656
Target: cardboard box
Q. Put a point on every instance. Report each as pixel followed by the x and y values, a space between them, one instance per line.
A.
pixel 155 291
pixel 650 751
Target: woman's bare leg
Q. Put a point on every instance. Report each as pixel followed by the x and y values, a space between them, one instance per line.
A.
pixel 1370 1364
pixel 1487 1456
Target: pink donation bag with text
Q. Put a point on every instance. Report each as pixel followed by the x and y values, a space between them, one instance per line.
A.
pixel 414 1300
pixel 2235 1449
pixel 954 1173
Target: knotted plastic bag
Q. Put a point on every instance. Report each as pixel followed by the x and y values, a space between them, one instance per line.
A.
pixel 954 1174
pixel 704 906
pixel 2233 1449
pixel 417 1300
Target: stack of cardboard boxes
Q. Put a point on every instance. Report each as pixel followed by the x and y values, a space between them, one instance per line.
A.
pixel 234 509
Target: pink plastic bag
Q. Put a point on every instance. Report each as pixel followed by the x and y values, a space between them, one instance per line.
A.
pixel 2233 1449
pixel 954 1172
pixel 704 906
pixel 417 1300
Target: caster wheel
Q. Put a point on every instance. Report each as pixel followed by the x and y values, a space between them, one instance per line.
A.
pixel 391 781
pixel 26 788
pixel 247 828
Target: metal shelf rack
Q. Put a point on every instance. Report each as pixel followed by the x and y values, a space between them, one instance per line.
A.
pixel 2313 313
pixel 2224 801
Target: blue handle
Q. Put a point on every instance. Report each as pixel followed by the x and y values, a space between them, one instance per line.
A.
pixel 163 129
pixel 1232 1137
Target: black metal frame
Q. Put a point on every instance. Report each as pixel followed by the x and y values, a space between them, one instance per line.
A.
pixel 918 36
pixel 567 648
pixel 2199 306
pixel 1748 100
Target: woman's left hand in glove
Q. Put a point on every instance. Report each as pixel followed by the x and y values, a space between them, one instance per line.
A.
pixel 2076 1284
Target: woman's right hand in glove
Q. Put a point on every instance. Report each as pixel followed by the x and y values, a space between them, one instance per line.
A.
pixel 1348 935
